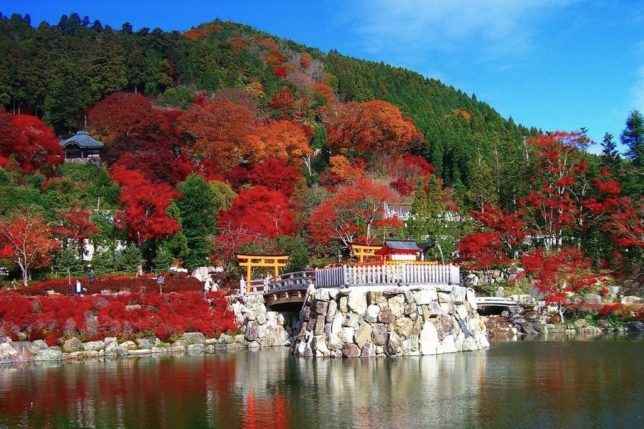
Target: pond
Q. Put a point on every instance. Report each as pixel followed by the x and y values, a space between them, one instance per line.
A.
pixel 597 383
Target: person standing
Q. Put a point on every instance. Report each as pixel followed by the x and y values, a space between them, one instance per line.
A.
pixel 160 282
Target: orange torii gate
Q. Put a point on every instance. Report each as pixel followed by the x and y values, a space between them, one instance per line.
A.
pixel 257 261
pixel 363 251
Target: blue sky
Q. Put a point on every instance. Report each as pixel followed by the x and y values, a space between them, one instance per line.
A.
pixel 552 64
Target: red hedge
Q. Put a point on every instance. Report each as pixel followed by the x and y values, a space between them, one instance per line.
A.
pixel 98 316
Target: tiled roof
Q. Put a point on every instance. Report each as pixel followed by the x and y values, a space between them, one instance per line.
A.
pixel 82 139
pixel 402 245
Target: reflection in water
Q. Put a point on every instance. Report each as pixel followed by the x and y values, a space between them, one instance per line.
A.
pixel 531 384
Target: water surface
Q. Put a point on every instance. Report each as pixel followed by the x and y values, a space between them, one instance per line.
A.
pixel 525 384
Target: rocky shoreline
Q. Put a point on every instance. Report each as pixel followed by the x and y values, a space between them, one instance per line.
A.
pixel 260 328
pixel 110 348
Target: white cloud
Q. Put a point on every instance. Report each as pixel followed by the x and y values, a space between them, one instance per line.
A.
pixel 494 27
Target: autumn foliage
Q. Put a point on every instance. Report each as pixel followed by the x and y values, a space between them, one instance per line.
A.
pixel 144 206
pixel 28 241
pixel 560 274
pixel 125 114
pixel 375 127
pixel 218 129
pixel 257 213
pixel 28 141
pixel 125 315
pixel 354 214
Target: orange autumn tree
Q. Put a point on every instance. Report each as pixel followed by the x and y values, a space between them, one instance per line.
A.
pixel 217 131
pixel 343 170
pixel 281 139
pixel 27 240
pixel 376 127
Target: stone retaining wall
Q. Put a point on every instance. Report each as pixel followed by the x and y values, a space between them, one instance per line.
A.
pixel 261 327
pixel 416 320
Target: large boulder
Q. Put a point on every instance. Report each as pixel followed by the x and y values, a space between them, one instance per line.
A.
pixel 335 343
pixel 397 305
pixel 38 345
pixel 332 310
pixel 448 345
pixel 72 345
pixel 321 307
pixel 372 313
pixel 347 334
pixel 252 333
pixel 350 351
pixel 379 334
pixel 7 352
pixel 93 346
pixel 145 343
pixel 425 296
pixel 49 354
pixel 429 343
pixel 194 338
pixel 363 334
pixel 386 316
pixel 368 350
pixel 336 325
pixel 357 301
pixel 403 326
pixel 394 344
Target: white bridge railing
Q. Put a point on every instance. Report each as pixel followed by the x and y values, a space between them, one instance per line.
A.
pixel 359 275
pixel 373 275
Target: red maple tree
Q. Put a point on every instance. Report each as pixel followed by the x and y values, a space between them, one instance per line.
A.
pixel 28 241
pixel 560 275
pixel 256 214
pixel 144 205
pixel 352 214
pixel 30 142
pixel 125 114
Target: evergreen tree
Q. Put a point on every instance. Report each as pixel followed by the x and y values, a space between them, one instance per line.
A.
pixel 610 155
pixel 68 261
pixel 197 211
pixel 130 259
pixel 104 262
pixel 633 137
pixel 483 188
pixel 163 259
pixel 432 221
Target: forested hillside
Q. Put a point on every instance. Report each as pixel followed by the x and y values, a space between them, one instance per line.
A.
pixel 225 139
pixel 57 72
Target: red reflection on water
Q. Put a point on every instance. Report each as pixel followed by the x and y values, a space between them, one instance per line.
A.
pixel 170 392
pixel 272 411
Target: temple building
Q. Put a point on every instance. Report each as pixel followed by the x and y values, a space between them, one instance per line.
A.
pixel 81 147
pixel 402 250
